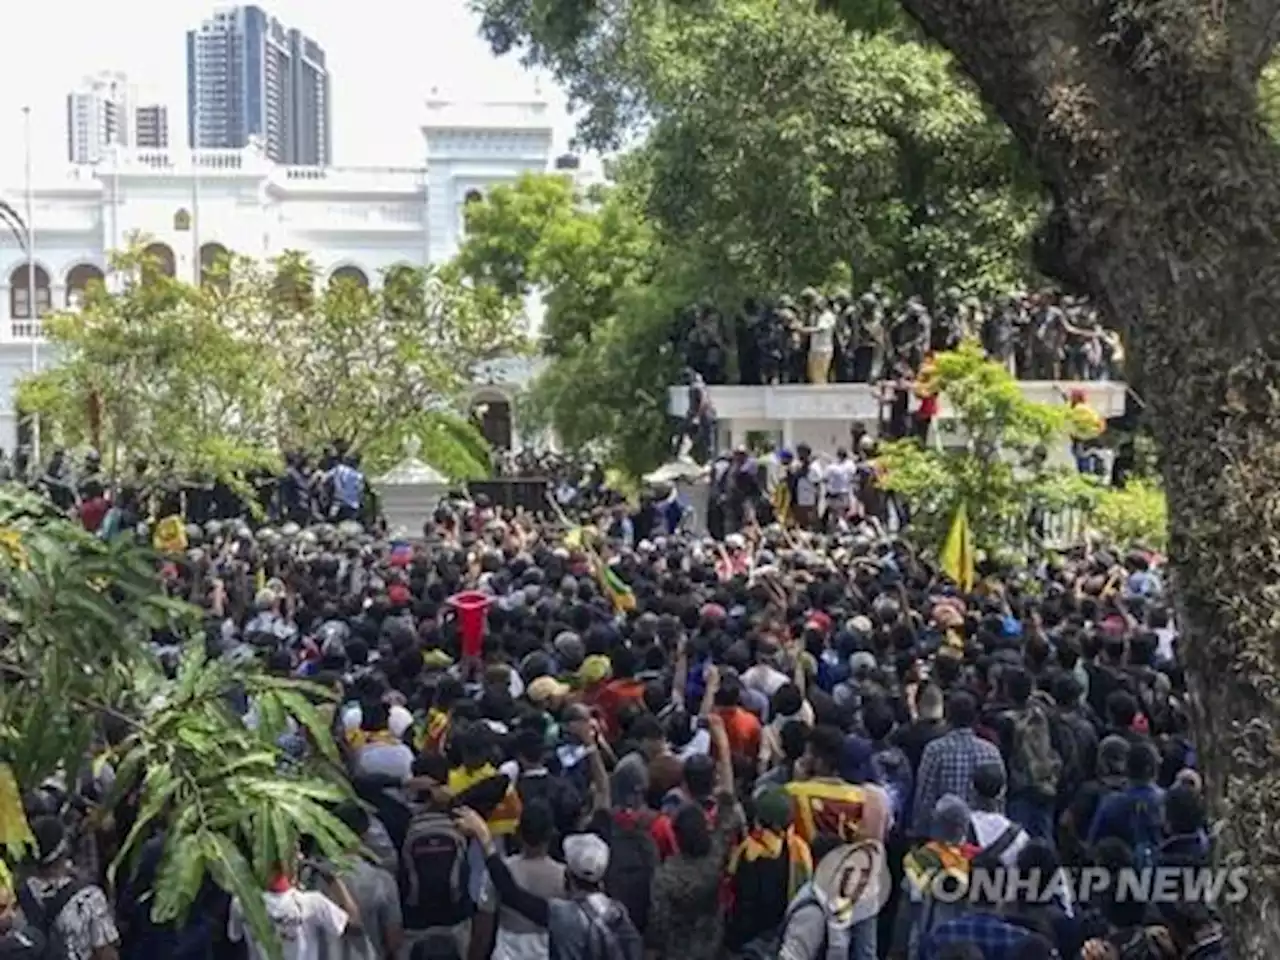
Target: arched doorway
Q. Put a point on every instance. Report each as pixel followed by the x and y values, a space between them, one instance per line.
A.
pixel 20 292
pixel 493 417
pixel 349 274
pixel 79 278
pixel 214 258
pixel 470 198
pixel 162 259
pixel 402 292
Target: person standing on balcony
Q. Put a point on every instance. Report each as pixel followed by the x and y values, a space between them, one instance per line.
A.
pixel 821 333
pixel 348 489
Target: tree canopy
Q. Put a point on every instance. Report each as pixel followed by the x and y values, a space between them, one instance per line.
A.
pixel 1002 469
pixel 856 159
pixel 612 292
pixel 578 251
pixel 219 379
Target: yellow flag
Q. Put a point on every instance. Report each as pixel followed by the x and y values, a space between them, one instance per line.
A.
pixel 170 535
pixel 957 553
pixel 15 832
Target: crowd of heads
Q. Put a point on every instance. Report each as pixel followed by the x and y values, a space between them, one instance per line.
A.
pixel 662 741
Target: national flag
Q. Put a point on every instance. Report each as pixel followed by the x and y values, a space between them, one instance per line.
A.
pixel 615 588
pixel 170 535
pixel 957 553
pixel 782 502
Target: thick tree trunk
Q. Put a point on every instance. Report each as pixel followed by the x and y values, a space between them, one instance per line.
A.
pixel 1141 116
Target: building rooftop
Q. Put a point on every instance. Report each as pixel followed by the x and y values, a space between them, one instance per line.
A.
pixel 445 114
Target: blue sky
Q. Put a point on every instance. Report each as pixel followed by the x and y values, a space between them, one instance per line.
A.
pixel 385 56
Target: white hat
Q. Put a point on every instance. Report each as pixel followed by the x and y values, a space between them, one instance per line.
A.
pixel 586 856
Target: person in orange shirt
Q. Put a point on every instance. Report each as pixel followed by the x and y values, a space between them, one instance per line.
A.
pixel 742 727
pixel 609 693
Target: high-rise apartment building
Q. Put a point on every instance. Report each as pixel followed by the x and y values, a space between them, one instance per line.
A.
pixel 151 127
pixel 250 77
pixel 97 116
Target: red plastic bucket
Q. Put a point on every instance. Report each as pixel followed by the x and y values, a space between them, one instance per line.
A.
pixel 472 607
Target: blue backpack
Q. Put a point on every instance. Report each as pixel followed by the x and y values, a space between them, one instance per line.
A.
pixel 1144 828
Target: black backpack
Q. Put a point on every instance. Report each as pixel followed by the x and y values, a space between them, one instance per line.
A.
pixel 434 872
pixel 633 859
pixel 42 913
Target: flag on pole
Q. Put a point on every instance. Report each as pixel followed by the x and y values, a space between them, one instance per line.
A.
pixel 615 587
pixel 957 552
pixel 781 502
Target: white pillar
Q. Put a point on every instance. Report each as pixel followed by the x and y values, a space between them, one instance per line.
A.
pixel 788 433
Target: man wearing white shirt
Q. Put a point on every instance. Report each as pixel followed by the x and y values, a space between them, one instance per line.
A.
pixel 992 830
pixel 839 479
pixel 301 918
pixel 822 343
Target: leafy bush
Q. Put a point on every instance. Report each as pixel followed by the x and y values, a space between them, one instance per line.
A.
pixel 1137 512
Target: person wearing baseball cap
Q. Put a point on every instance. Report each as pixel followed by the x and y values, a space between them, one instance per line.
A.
pixel 578 922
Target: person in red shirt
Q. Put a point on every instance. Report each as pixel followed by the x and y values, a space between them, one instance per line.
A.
pixel 93 505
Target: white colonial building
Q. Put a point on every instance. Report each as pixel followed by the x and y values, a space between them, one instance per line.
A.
pixel 356 222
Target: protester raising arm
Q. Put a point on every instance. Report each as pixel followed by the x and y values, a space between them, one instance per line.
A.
pixel 681 677
pixel 533 908
pixel 724 758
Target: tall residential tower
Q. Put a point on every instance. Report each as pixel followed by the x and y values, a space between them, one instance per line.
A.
pixel 250 77
pixel 97 117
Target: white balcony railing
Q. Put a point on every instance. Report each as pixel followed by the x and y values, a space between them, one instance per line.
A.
pixel 859 401
pixel 26 330
pixel 393 179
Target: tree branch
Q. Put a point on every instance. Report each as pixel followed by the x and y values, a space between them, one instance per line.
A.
pixel 84 704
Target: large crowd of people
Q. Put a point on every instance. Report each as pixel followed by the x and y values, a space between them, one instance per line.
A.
pixel 840 338
pixel 803 740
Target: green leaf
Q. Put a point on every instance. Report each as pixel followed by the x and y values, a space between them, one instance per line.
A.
pixel 231 871
pixel 179 878
pixel 306 714
pixel 159 788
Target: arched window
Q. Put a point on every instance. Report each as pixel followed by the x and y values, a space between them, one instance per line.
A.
pixel 162 256
pixel 78 279
pixel 213 264
pixel 349 274
pixel 20 292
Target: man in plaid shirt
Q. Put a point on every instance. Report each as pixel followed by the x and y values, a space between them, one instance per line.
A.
pixel 948 763
pixel 993 935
